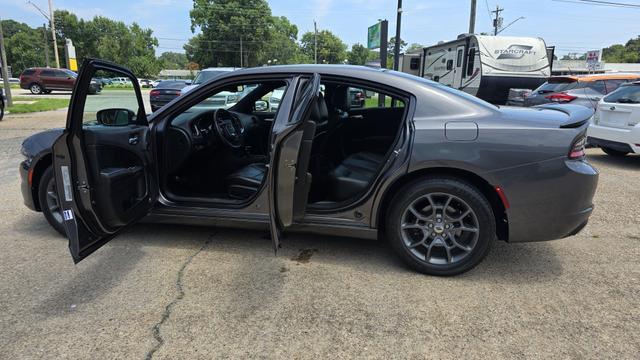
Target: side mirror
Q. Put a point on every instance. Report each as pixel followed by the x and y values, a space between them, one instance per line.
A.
pixel 115 117
pixel 261 105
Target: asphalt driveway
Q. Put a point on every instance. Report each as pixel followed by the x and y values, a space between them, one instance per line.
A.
pixel 171 292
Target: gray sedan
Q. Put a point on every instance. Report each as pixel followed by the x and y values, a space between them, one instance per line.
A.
pixel 436 172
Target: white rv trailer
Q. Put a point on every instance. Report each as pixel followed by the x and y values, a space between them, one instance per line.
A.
pixel 484 66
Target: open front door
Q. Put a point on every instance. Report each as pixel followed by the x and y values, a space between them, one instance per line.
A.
pixel 291 148
pixel 103 161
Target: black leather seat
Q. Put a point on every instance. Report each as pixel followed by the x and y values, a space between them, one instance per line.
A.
pixel 353 175
pixel 245 182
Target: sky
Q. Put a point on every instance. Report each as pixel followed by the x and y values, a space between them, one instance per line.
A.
pixel 567 24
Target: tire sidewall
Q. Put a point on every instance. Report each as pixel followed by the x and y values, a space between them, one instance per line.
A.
pixel 478 203
pixel 41 91
pixel 46 177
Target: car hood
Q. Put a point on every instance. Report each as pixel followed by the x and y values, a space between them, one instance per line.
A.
pixel 550 115
pixel 42 141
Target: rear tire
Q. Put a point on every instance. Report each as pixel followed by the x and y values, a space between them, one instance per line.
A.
pixel 440 226
pixel 612 152
pixel 36 89
pixel 49 201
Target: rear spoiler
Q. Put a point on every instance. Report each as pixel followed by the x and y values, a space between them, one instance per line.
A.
pixel 578 114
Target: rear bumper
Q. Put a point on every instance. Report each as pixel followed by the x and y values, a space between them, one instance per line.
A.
pixel 549 200
pixel 615 138
pixel 26 189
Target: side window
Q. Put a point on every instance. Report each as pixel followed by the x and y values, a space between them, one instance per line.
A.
pixel 449 64
pixel 414 64
pixel 613 84
pixel 28 72
pixel 597 86
pixel 471 61
pixel 111 107
pixel 245 97
pixel 47 73
pixel 360 98
pixel 459 58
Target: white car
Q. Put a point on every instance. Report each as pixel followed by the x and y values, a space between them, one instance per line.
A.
pixel 615 127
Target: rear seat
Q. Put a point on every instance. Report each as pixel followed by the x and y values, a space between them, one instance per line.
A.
pixel 353 175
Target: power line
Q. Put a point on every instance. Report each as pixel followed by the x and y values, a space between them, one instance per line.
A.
pixel 601 3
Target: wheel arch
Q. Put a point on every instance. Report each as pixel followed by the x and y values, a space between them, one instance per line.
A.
pixel 480 183
pixel 41 164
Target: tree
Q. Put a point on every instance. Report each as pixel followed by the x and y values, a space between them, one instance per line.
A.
pixel 223 23
pixel 331 49
pixel 24 45
pixel 627 53
pixel 131 46
pixel 360 54
pixel 281 44
pixel 413 48
pixel 173 60
pixel 392 45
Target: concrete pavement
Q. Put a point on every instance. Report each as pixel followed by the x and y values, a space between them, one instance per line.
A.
pixel 167 292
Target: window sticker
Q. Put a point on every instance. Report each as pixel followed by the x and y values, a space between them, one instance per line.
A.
pixel 66 182
pixel 67 215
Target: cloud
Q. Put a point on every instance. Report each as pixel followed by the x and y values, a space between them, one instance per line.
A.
pixel 321 8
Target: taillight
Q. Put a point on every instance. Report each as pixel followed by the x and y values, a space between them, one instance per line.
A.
pixel 154 92
pixel 561 97
pixel 577 149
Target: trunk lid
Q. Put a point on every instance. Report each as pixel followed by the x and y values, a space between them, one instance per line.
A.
pixel 551 115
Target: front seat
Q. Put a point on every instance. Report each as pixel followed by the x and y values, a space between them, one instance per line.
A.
pixel 353 175
pixel 246 182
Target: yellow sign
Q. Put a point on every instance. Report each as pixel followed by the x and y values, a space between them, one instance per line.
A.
pixel 73 64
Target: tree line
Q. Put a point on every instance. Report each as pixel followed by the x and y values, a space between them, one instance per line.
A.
pixel 230 33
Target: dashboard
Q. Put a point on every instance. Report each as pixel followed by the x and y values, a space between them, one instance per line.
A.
pixel 194 130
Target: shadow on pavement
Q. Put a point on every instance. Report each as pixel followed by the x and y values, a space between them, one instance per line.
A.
pixel 629 162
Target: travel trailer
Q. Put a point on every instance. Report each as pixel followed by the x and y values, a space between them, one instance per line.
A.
pixel 484 66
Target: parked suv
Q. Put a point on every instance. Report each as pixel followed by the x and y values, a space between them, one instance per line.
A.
pixel 45 80
pixel 615 127
pixel 585 90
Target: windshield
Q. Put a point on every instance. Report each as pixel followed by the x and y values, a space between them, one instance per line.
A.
pixel 205 76
pixel 557 85
pixel 629 94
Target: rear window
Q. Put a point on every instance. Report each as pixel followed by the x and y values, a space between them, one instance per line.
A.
pixel 172 85
pixel 28 72
pixel 629 94
pixel 557 85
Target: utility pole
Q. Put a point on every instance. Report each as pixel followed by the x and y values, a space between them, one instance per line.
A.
pixel 396 51
pixel 498 20
pixel 5 72
pixel 472 18
pixel 46 44
pixel 315 42
pixel 53 34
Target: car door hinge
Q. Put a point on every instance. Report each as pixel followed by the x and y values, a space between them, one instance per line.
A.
pixel 84 188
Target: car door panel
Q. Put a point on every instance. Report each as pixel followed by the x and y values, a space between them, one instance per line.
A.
pixel 292 136
pixel 105 174
pixel 370 129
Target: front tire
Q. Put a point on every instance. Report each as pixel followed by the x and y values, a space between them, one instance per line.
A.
pixel 36 89
pixel 49 200
pixel 612 152
pixel 440 226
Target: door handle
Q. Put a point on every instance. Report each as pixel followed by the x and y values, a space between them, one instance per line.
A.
pixel 134 139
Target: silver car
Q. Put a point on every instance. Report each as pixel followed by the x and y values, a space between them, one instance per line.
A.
pixel 585 90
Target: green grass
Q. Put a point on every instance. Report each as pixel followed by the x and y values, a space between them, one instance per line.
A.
pixel 42 104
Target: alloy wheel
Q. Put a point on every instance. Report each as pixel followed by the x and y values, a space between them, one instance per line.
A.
pixel 439 229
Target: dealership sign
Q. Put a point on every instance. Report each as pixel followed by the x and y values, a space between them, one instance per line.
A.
pixel 593 59
pixel 373 36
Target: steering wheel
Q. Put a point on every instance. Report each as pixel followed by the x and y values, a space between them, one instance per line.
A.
pixel 229 127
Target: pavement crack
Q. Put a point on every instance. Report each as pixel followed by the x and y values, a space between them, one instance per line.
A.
pixel 179 296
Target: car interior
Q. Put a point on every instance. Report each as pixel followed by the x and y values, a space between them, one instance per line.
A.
pixel 218 151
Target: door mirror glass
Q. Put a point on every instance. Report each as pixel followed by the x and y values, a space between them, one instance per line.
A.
pixel 261 105
pixel 115 117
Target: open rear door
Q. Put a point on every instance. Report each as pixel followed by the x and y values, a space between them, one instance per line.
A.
pixel 291 138
pixel 103 161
